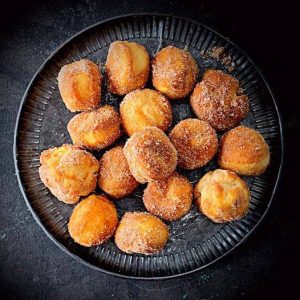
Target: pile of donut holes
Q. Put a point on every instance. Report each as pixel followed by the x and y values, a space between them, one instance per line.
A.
pixel 153 150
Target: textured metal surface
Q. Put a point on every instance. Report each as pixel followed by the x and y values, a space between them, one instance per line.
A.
pixel 195 241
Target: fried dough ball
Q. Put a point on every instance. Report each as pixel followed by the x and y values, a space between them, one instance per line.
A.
pixel 195 141
pixel 150 155
pixel 218 100
pixel 127 67
pixel 93 221
pixel 222 196
pixel 140 232
pixel 115 178
pixel 174 72
pixel 144 108
pixel 244 151
pixel 169 199
pixel 68 172
pixel 95 129
pixel 79 85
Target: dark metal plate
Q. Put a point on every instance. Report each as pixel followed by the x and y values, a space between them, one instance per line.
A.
pixel 195 241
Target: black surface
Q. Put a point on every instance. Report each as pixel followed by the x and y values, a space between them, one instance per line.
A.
pixel 32 266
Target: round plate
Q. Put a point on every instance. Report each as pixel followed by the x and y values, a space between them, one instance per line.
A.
pixel 195 241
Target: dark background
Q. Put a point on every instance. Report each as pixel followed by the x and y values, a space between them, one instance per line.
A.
pixel 32 266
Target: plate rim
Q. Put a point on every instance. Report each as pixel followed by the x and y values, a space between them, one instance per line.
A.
pixel 78 258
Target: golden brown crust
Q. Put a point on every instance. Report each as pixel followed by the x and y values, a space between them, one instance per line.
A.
pixel 143 108
pixel 150 155
pixel 217 99
pixel 196 143
pixel 93 221
pixel 79 84
pixel 127 67
pixel 169 199
pixel 95 129
pixel 68 172
pixel 222 196
pixel 140 232
pixel 174 72
pixel 115 178
pixel 244 151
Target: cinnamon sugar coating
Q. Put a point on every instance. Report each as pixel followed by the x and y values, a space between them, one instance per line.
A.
pixel 68 172
pixel 95 129
pixel 174 72
pixel 140 232
pixel 222 196
pixel 150 155
pixel 195 141
pixel 143 108
pixel 218 100
pixel 244 151
pixel 127 67
pixel 79 84
pixel 93 221
pixel 169 199
pixel 115 178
